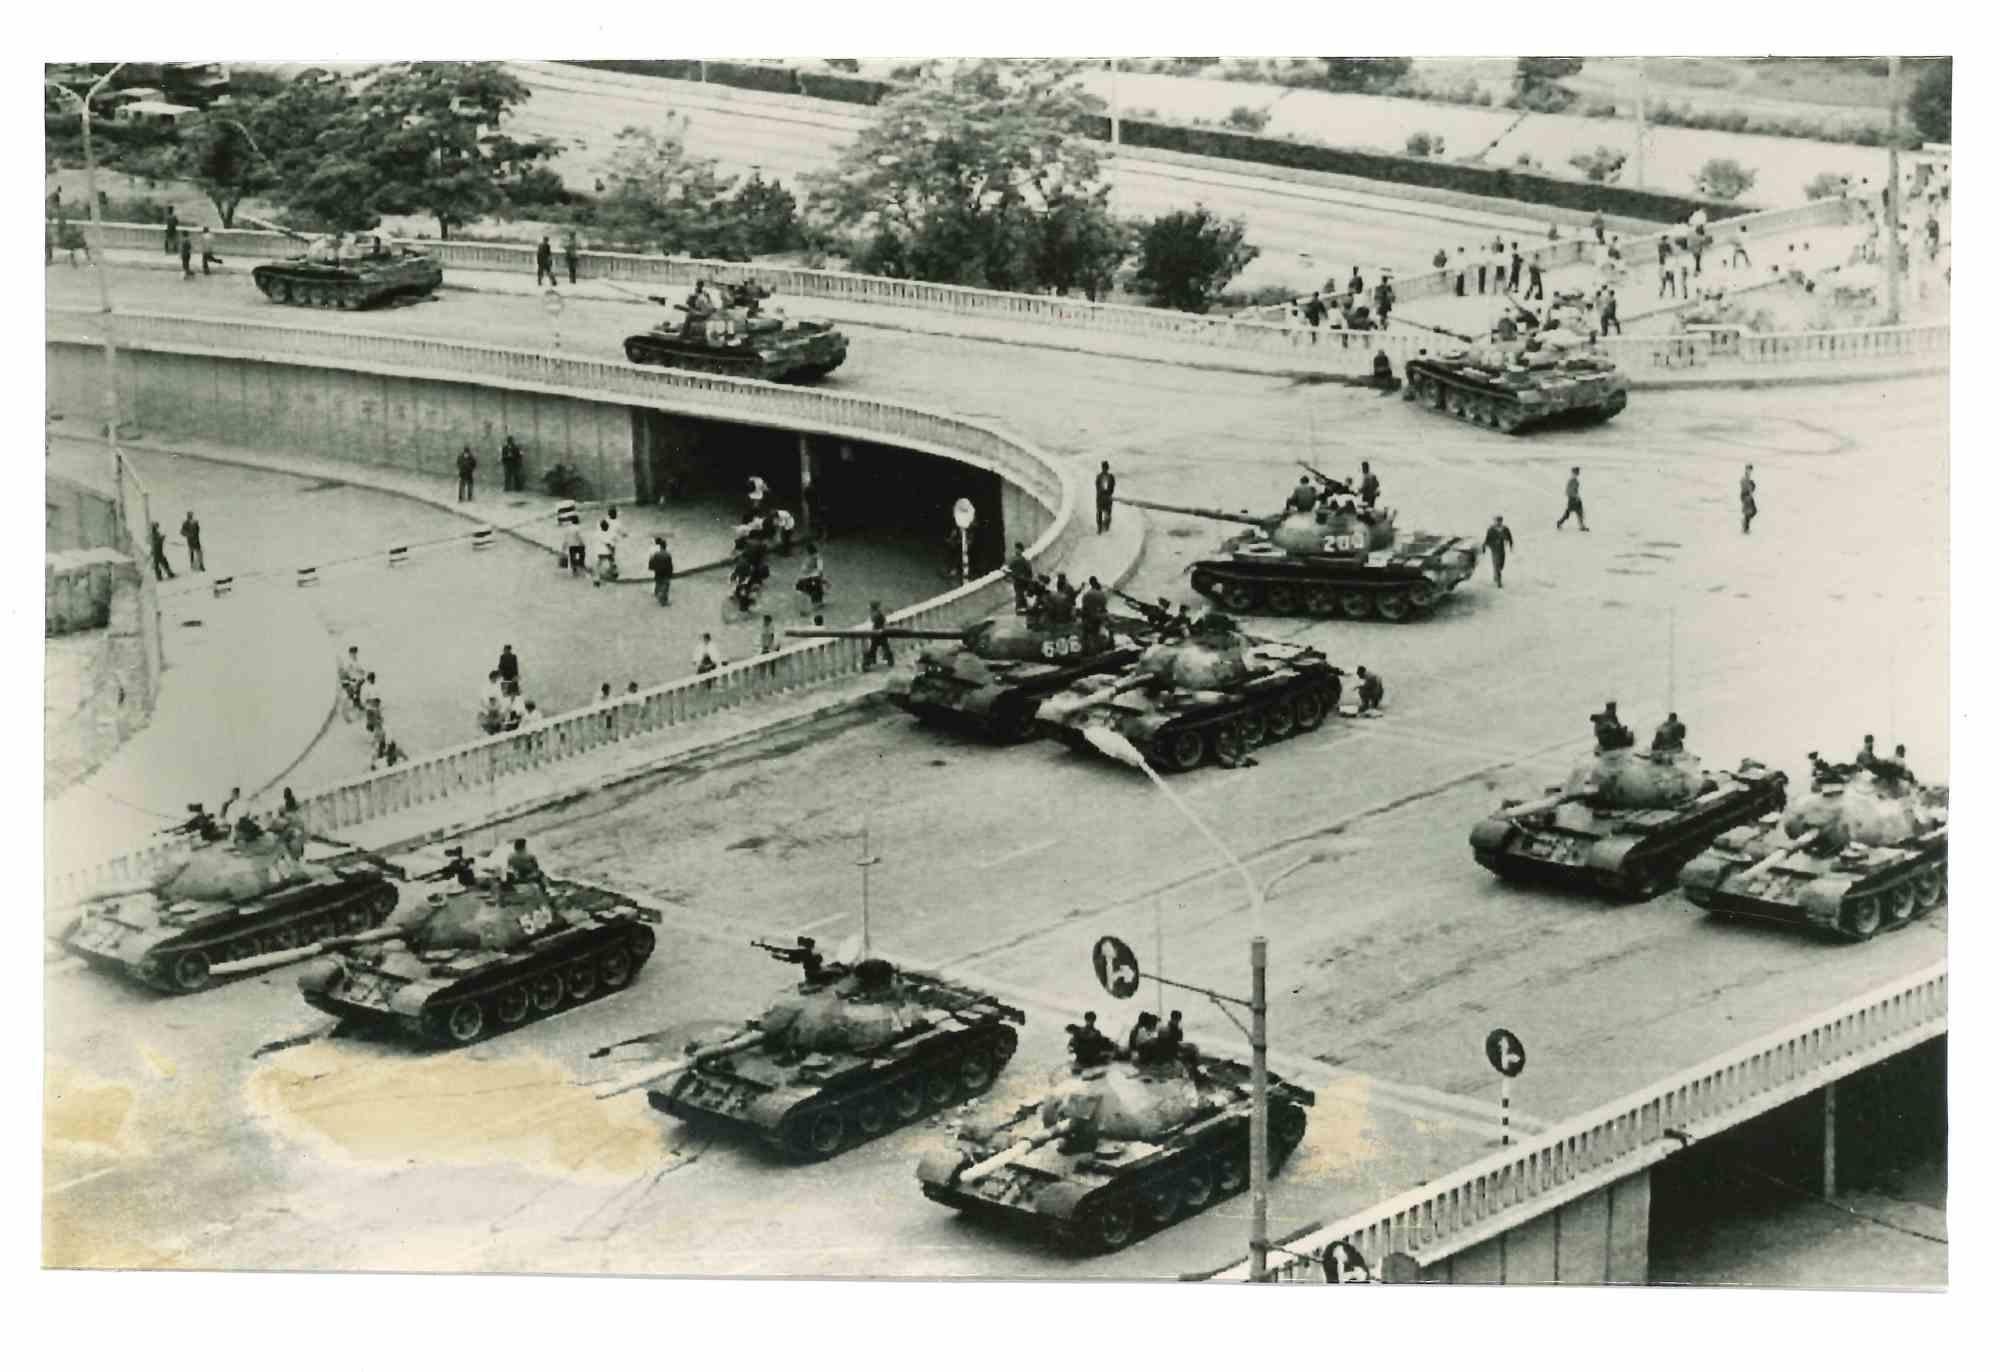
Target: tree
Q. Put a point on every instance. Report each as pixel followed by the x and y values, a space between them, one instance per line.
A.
pixel 1364 73
pixel 1187 257
pixel 979 175
pixel 1599 164
pixel 1825 186
pixel 1424 144
pixel 1930 102
pixel 218 156
pixel 659 194
pixel 1545 71
pixel 1723 178
pixel 767 213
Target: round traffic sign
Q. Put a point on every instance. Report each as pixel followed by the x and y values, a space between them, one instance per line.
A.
pixel 552 302
pixel 1344 1265
pixel 963 514
pixel 1117 966
pixel 1506 1054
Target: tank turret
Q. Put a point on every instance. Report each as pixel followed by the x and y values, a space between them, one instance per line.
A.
pixel 1116 1149
pixel 998 670
pixel 253 894
pixel 487 956
pixel 1861 852
pixel 1217 693
pixel 1624 821
pixel 849 1053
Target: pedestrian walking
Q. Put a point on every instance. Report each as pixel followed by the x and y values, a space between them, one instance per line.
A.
pixel 1514 261
pixel 1534 281
pixel 191 532
pixel 1607 314
pixel 173 231
pixel 1698 244
pixel 574 552
pixel 879 641
pixel 161 571
pixel 661 565
pixel 1107 486
pixel 1682 260
pixel 1385 300
pixel 352 677
pixel 571 252
pixel 545 262
pixel 812 577
pixel 760 491
pixel 707 657
pixel 1356 286
pixel 467 465
pixel 208 256
pixel 1597 224
pixel 1573 498
pixel 1459 287
pixel 1314 311
pixel 1748 493
pixel 509 667
pixel 511 458
pixel 1666 268
pixel 1021 573
pixel 604 555
pixel 1499 540
pixel 187 257
pixel 1482 274
pixel 767 638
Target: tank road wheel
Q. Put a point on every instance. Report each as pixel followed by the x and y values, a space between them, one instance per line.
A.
pixel 1110 1226
pixel 1862 919
pixel 321 930
pixel 510 1007
pixel 936 1087
pixel 189 972
pixel 382 903
pixel 547 992
pixel 635 354
pixel 1899 902
pixel 1928 888
pixel 1308 711
pixel 614 969
pixel 279 940
pixel 1228 745
pixel 871 1116
pixel 975 1071
pixel 280 291
pixel 1239 596
pixel 1356 604
pixel 356 919
pixel 240 949
pixel 1321 602
pixel 1393 606
pixel 1161 1202
pixel 820 1134
pixel 466 1022
pixel 906 1099
pixel 1510 423
pixel 579 980
pixel 1423 597
pixel 1197 1188
pixel 1280 718
pixel 1282 600
pixel 1251 728
pixel 1232 1171
pixel 1185 750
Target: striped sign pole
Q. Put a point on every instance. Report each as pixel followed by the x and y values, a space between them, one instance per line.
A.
pixel 482 539
pixel 308 576
pixel 223 586
pixel 566 514
pixel 398 556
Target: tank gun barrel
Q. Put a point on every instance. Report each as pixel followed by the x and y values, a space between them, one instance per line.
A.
pixel 274 228
pixel 1015 1151
pixel 304 953
pixel 1226 516
pixel 660 1071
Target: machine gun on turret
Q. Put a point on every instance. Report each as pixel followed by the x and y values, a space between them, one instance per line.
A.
pixel 199 824
pixel 1158 618
pixel 457 866
pixel 804 955
pixel 1330 486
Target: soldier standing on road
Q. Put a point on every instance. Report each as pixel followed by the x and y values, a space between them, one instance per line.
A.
pixel 1499 540
pixel 173 231
pixel 1514 261
pixel 187 257
pixel 1748 490
pixel 191 531
pixel 570 254
pixel 1534 281
pixel 661 565
pixel 545 262
pixel 573 548
pixel 509 668
pixel 1385 300
pixel 879 643
pixel 1107 484
pixel 1573 493
pixel 510 465
pixel 1458 287
pixel 1021 572
pixel 207 250
pixel 161 571
pixel 467 465
pixel 1597 224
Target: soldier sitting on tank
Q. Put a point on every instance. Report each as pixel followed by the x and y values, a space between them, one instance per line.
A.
pixel 1172 1038
pixel 521 864
pixel 1671 736
pixel 1144 1030
pixel 1304 497
pixel 248 830
pixel 1062 600
pixel 699 304
pixel 1088 1044
pixel 1094 610
pixel 1896 770
pixel 1865 760
pixel 1610 732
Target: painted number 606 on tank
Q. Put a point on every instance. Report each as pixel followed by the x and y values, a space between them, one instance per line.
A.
pixel 1070 646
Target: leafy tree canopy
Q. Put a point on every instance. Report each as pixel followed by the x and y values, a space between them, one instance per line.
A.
pixel 1930 102
pixel 1188 256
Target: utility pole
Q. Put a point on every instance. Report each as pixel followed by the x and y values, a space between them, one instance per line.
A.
pixel 1114 105
pixel 1639 129
pixel 1892 218
pixel 95 246
pixel 1260 1113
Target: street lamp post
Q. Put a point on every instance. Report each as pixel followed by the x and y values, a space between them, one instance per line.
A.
pixel 1119 749
pixel 95 246
pixel 1892 210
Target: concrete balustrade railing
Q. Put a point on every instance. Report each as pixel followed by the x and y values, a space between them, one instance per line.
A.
pixel 481 766
pixel 1591 1150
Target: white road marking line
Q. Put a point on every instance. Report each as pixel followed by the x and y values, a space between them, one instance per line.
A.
pixel 78 1181
pixel 1017 854
pixel 822 923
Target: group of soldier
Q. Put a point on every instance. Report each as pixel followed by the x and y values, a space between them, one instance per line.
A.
pixel 1316 488
pixel 1613 733
pixel 1895 768
pixel 1149 1044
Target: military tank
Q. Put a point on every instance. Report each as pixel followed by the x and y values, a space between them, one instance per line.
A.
pixel 1117 1149
pixel 486 956
pixel 998 670
pixel 1218 694
pixel 1857 854
pixel 234 899
pixel 334 273
pixel 1624 821
pixel 740 340
pixel 849 1054
pixel 1327 561
pixel 1507 387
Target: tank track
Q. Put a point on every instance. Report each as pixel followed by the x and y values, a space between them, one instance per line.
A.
pixel 643 352
pixel 592 970
pixel 1228 734
pixel 1893 900
pixel 1286 594
pixel 337 295
pixel 1492 410
pixel 184 961
pixel 1006 726
pixel 844 1117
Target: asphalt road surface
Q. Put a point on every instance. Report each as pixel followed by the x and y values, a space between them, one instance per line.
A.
pixel 1392 953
